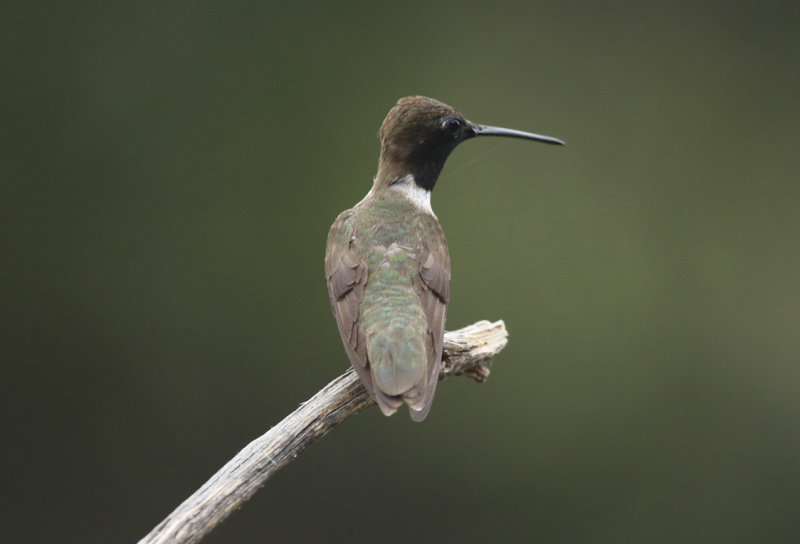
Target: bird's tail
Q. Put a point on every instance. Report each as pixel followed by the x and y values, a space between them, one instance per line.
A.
pixel 398 365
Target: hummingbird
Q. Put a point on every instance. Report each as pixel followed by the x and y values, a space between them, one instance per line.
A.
pixel 387 265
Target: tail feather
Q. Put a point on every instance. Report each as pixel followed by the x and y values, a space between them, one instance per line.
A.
pixel 387 404
pixel 399 369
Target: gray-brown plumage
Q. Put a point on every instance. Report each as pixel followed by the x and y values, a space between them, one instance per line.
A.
pixel 387 265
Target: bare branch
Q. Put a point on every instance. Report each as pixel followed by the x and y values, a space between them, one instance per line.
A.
pixel 465 352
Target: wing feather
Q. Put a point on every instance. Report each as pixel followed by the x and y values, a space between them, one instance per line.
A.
pixel 346 275
pixel 433 287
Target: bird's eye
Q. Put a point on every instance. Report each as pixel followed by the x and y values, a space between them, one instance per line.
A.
pixel 452 125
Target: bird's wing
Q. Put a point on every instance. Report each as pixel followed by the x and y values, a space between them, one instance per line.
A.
pixel 346 276
pixel 432 284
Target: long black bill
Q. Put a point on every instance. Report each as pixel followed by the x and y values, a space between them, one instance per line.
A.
pixel 484 130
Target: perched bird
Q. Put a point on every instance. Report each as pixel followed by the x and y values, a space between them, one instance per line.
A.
pixel 386 263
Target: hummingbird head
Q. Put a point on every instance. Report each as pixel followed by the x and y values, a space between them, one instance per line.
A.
pixel 419 133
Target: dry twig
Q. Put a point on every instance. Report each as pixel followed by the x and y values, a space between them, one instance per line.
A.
pixel 465 352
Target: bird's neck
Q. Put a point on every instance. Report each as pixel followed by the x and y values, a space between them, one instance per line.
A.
pixel 424 171
pixel 397 186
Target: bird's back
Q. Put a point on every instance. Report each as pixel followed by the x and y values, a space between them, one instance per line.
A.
pixel 391 320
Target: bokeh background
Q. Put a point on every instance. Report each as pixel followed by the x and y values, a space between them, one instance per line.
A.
pixel 169 173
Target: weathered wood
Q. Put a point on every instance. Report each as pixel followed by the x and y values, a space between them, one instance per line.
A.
pixel 465 352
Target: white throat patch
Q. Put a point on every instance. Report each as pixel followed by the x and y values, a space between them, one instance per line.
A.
pixel 419 197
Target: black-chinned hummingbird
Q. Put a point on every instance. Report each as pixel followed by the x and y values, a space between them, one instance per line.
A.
pixel 386 263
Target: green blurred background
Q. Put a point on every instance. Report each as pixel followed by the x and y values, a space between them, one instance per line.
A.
pixel 170 171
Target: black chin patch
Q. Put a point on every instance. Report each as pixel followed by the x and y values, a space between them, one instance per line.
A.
pixel 425 175
pixel 428 164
